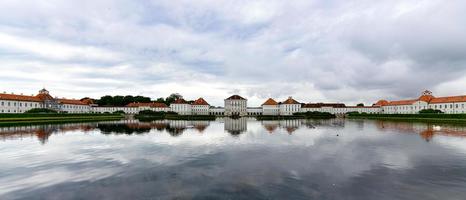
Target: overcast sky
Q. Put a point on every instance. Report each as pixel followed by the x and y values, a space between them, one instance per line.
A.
pixel 313 50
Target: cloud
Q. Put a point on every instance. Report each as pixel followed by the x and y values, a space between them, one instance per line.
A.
pixel 358 51
pixel 55 50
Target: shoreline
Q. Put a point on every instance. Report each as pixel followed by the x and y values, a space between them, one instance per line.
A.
pixel 10 119
pixel 412 119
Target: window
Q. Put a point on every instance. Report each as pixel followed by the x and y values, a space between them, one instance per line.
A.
pixel 3 103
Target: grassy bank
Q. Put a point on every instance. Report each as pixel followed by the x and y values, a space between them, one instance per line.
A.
pixel 305 115
pixel 444 118
pixel 29 118
pixel 174 117
pixel 274 117
pixel 54 121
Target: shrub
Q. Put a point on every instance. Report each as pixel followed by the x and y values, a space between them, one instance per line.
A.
pixel 120 112
pixel 172 113
pixel 315 114
pixel 151 113
pixel 352 113
pixel 427 111
pixel 41 111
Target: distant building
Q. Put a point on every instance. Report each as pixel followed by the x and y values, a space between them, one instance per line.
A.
pixel 181 107
pixel 200 107
pixel 289 107
pixel 236 106
pixel 451 105
pixel 270 107
pixel 13 103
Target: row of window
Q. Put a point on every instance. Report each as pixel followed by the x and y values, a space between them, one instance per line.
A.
pixel 449 106
pixel 21 104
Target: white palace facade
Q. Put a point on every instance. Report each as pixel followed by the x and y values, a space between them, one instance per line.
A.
pixel 234 106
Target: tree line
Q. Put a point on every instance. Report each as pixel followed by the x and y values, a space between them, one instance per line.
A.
pixel 119 100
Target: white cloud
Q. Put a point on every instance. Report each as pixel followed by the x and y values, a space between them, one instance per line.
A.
pixel 55 50
pixel 357 51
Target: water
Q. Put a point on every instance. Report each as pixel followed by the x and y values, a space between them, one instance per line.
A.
pixel 234 159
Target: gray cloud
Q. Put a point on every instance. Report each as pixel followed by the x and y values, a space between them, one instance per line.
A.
pixel 356 51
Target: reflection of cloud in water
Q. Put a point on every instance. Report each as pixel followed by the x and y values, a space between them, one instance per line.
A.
pixel 312 162
pixel 426 131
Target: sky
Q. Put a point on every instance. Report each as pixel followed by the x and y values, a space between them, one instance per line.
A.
pixel 313 50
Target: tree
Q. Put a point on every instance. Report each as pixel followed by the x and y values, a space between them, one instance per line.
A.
pixel 106 100
pixel 141 99
pixel 128 99
pixel 121 100
pixel 360 105
pixel 160 100
pixel 170 99
pixel 118 101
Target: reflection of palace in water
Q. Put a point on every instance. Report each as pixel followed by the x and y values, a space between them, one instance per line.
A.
pixel 289 125
pixel 128 127
pixel 42 132
pixel 232 126
pixel 426 131
pixel 236 126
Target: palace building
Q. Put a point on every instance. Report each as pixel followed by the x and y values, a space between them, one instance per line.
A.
pixel 235 105
pixel 450 105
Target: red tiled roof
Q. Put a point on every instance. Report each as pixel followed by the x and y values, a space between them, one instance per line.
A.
pixel 401 102
pixel 44 96
pixel 200 102
pixel 452 99
pixel 381 103
pixel 320 105
pixel 15 97
pixel 290 101
pixel 152 105
pixel 87 101
pixel 426 98
pixel 236 97
pixel 71 101
pixel 180 101
pixel 270 102
pixel 362 106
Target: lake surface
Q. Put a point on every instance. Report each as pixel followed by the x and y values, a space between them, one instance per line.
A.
pixel 234 159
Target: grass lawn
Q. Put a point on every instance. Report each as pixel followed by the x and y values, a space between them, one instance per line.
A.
pixel 444 118
pixel 30 118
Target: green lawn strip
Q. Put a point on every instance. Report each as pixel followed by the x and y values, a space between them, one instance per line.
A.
pixel 271 117
pixel 58 118
pixel 175 117
pixel 412 119
pixel 26 115
pixel 55 121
